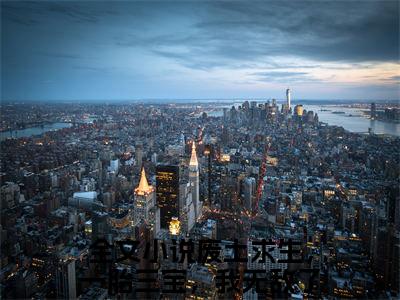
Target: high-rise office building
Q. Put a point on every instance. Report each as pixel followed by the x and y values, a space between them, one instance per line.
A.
pixel 299 110
pixel 225 136
pixel 225 110
pixel 139 154
pixel 227 192
pixel 373 110
pixel 66 280
pixel 288 98
pixel 25 285
pixel 167 193
pixel 249 189
pixel 100 225
pixel 194 182
pixel 144 198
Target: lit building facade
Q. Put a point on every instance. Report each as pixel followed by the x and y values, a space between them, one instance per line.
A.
pixel 144 199
pixel 299 110
pixel 167 193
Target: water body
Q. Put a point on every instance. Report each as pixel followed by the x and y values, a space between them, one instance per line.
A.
pixel 357 122
pixel 353 120
pixel 27 132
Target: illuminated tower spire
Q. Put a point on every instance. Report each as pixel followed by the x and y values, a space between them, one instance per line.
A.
pixel 194 165
pixel 144 200
pixel 143 187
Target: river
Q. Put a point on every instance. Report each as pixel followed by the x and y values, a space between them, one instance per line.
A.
pixel 27 132
pixel 357 122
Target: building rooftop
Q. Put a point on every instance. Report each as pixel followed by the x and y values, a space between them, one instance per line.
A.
pixel 143 188
pixel 87 195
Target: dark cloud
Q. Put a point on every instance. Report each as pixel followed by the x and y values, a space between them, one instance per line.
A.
pixel 149 37
pixel 60 55
pixel 73 11
pixel 39 12
pixel 349 31
pixel 229 32
pixel 336 30
pixel 223 32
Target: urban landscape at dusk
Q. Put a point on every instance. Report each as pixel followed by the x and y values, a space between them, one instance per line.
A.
pixel 200 150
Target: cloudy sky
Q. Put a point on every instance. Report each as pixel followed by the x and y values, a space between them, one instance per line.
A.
pixel 115 50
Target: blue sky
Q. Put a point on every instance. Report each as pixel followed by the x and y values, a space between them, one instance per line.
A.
pixel 92 50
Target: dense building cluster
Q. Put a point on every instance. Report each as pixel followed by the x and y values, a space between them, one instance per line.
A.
pixel 147 179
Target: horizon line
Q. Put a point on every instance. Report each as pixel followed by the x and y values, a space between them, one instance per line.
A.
pixel 180 100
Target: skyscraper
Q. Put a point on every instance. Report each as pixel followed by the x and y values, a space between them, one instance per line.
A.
pixel 66 280
pixel 249 189
pixel 373 110
pixel 298 109
pixel 225 136
pixel 139 154
pixel 208 153
pixel 194 182
pixel 100 225
pixel 288 98
pixel 167 193
pixel 144 198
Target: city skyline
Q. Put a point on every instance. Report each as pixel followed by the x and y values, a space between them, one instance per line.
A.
pixel 122 198
pixel 196 149
pixel 70 51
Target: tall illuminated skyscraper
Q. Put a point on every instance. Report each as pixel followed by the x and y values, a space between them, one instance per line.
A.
pixel 288 98
pixel 194 182
pixel 167 193
pixel 144 198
